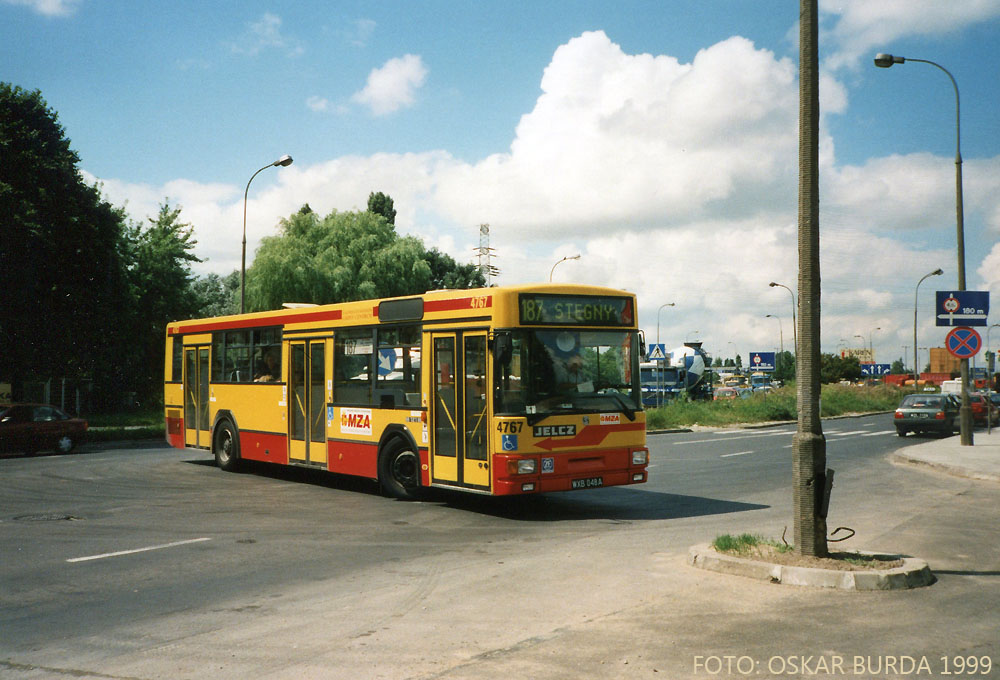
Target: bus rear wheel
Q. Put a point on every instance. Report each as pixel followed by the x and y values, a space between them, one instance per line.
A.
pixel 226 447
pixel 399 470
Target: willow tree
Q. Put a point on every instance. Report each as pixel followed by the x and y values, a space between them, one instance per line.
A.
pixel 342 257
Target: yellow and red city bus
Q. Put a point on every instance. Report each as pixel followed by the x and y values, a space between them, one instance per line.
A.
pixel 506 390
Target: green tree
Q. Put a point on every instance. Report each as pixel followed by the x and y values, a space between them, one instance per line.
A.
pixel 897 367
pixel 446 273
pixel 381 204
pixel 62 255
pixel 834 368
pixel 784 368
pixel 217 295
pixel 162 288
pixel 346 256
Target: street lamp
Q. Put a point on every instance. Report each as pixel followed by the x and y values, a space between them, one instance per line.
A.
pixel 283 162
pixel 659 369
pixel 886 61
pixel 781 333
pixel 916 368
pixel 871 348
pixel 568 257
pixel 795 333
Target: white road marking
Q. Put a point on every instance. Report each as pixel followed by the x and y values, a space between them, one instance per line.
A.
pixel 137 550
pixel 738 453
pixel 716 440
pixel 875 434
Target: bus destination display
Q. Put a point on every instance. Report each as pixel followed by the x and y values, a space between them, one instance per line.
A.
pixel 575 310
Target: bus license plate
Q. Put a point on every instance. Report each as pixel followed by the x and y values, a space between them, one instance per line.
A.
pixel 589 483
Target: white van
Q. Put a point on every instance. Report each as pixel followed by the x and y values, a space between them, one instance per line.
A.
pixel 951 387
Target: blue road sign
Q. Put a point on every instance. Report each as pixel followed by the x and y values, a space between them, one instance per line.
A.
pixel 386 361
pixel 962 307
pixel 963 343
pixel 875 369
pixel 657 352
pixel 761 361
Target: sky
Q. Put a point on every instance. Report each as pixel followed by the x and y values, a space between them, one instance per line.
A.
pixel 656 139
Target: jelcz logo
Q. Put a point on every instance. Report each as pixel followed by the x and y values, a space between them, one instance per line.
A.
pixel 356 421
pixel 555 431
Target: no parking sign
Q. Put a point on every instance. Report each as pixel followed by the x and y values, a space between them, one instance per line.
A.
pixel 963 343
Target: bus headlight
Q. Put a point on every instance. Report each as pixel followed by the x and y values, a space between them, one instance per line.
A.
pixel 640 457
pixel 522 466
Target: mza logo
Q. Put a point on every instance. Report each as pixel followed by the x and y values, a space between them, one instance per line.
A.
pixel 356 421
pixel 555 431
pixel 611 419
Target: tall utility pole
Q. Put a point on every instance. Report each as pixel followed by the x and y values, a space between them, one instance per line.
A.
pixel 810 487
pixel 486 255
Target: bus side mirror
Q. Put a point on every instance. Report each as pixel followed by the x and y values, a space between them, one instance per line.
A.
pixel 642 345
pixel 503 348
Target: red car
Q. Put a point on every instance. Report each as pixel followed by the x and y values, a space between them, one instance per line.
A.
pixel 980 405
pixel 37 427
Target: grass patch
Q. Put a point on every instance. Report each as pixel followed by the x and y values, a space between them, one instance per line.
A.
pixel 775 405
pixel 145 424
pixel 746 545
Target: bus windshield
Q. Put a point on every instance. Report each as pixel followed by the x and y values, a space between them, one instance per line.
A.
pixel 568 370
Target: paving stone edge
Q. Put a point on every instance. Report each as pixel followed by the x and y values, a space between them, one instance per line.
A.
pixel 913 573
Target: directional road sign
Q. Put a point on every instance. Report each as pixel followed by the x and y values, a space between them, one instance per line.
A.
pixel 657 352
pixel 962 307
pixel 875 369
pixel 963 343
pixel 761 361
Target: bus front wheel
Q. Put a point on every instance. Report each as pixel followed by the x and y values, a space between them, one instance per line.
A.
pixel 227 447
pixel 399 470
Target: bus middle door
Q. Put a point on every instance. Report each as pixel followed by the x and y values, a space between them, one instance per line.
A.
pixel 459 454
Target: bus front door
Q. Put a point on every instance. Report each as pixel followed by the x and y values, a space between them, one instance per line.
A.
pixel 196 425
pixel 459 415
pixel 308 379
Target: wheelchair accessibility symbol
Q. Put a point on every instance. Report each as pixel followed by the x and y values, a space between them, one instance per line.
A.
pixel 508 442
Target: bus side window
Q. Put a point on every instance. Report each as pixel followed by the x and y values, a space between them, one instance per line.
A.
pixel 397 367
pixel 353 352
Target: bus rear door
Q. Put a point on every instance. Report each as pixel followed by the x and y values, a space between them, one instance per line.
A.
pixel 196 426
pixel 309 384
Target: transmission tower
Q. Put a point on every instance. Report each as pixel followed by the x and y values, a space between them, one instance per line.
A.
pixel 486 255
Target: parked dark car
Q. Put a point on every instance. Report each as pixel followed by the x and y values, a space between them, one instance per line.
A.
pixel 926 413
pixel 39 427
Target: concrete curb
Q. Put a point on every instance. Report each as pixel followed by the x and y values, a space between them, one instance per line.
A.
pixel 914 573
pixel 901 458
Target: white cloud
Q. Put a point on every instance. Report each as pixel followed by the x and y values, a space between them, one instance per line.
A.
pixel 359 32
pixel 49 8
pixel 265 33
pixel 863 27
pixel 318 104
pixel 673 180
pixel 617 139
pixel 393 86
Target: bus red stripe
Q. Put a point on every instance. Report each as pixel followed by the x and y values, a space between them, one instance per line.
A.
pixel 454 305
pixel 257 322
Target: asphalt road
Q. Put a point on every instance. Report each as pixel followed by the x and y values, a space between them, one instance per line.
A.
pixel 150 563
